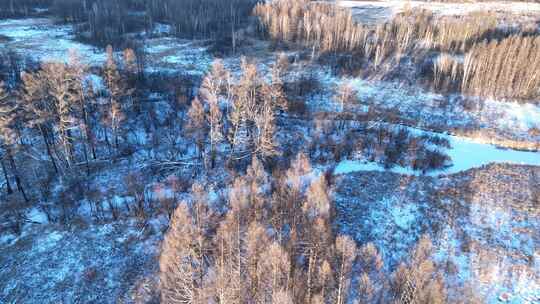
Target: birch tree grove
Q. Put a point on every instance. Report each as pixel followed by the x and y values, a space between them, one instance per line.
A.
pixel 239 112
pixel 52 95
pixel 508 69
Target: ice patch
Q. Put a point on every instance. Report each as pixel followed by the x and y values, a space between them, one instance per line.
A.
pixel 48 241
pixel 7 239
pixel 37 216
pixel 96 81
pixel 162 29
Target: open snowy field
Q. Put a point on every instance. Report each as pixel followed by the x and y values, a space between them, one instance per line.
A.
pixel 494 122
pixel 380 11
pixel 171 55
pixel 82 264
pixel 43 40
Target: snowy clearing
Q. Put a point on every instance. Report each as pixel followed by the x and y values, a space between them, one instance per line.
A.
pixel 499 120
pixel 485 240
pixel 42 40
pixel 95 264
pixel 172 55
pixel 379 11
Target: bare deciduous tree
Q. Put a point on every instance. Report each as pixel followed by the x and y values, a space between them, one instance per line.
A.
pixel 346 254
pixel 197 124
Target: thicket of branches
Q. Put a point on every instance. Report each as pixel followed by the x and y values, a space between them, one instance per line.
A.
pixel 16 8
pixel 105 22
pixel 201 18
pixel 275 244
pixel 329 28
pixel 507 69
pixel 56 122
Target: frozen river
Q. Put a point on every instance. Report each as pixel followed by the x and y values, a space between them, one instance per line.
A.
pixel 465 154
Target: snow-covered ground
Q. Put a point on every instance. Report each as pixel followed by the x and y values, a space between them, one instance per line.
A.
pixel 489 121
pixel 380 11
pixel 506 118
pixel 485 234
pixel 43 40
pixel 81 264
pixel 69 258
pixel 173 55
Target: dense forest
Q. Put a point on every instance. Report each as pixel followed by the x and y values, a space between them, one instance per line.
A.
pixel 105 22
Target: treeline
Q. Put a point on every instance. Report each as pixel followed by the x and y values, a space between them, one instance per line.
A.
pixel 201 18
pixel 276 244
pixel 102 22
pixel 322 26
pixel 106 22
pixel 17 8
pixel 327 29
pixel 507 69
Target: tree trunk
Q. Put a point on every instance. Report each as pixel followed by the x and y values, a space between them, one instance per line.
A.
pixel 69 148
pixel 89 135
pixel 311 264
pixel 8 184
pixel 44 134
pixel 107 140
pixel 17 178
pixel 86 160
pixel 340 282
pixel 116 142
